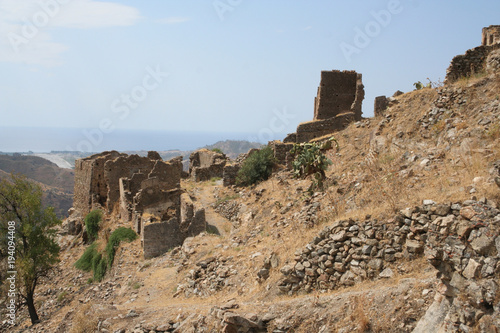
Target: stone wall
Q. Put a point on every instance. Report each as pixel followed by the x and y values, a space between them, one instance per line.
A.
pixel 350 251
pixel 90 186
pixel 160 237
pixel 380 105
pixel 205 164
pixel 473 61
pixel 338 102
pixel 314 129
pixel 490 35
pixel 230 173
pixel 281 152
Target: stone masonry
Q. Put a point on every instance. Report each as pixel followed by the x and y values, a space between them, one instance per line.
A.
pixel 491 35
pixel 473 61
pixel 144 191
pixel 337 104
pixel 205 164
pixel 461 240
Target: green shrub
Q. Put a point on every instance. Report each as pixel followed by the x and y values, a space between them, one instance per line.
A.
pixel 101 267
pixel 92 221
pixel 311 160
pixel 256 168
pixel 98 263
pixel 120 234
pixel 85 261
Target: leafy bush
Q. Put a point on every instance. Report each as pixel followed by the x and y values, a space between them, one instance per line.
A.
pixel 120 234
pixel 92 221
pixel 101 266
pixel 311 160
pixel 257 167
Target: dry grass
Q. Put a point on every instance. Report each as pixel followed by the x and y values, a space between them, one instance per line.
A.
pixel 85 320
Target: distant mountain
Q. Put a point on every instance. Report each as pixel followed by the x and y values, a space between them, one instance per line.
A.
pixel 232 148
pixel 57 183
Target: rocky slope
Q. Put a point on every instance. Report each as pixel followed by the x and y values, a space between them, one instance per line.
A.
pixel 404 237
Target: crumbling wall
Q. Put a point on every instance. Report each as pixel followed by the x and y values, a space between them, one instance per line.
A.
pixel 230 174
pixel 338 102
pixel 90 186
pixel 314 129
pixel 206 164
pixel 491 35
pixel 380 105
pixel 471 62
pixel 160 237
pixel 281 152
pixel 123 167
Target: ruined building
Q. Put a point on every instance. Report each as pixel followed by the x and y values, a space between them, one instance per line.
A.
pixel 473 61
pixel 144 191
pixel 206 164
pixel 491 35
pixel 337 104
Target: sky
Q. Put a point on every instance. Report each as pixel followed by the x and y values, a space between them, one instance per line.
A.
pixel 213 66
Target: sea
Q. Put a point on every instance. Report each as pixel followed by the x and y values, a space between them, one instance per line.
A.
pixel 38 140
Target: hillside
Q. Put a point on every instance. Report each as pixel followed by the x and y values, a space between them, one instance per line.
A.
pixel 404 237
pixel 57 183
pixel 234 148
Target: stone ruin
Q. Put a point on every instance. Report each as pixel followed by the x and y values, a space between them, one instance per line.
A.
pixel 473 61
pixel 206 164
pixel 337 104
pixel 143 191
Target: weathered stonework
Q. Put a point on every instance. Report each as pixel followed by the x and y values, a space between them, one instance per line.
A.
pixel 90 187
pixel 338 103
pixel 491 35
pixel 282 152
pixel 144 191
pixel 205 164
pixel 473 61
pixel 380 105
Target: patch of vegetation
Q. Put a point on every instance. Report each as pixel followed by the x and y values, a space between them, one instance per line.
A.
pixel 85 261
pixel 217 150
pixel 256 168
pixel 120 234
pixel 98 263
pixel 310 159
pixel 226 198
pixel 61 296
pixel 92 221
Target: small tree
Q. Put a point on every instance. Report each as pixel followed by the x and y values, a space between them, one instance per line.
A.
pixel 32 235
pixel 257 167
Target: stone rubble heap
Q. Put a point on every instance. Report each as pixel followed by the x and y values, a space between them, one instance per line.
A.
pixel 211 275
pixel 350 251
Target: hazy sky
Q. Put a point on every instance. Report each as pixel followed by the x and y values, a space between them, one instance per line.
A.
pixel 217 65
